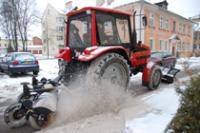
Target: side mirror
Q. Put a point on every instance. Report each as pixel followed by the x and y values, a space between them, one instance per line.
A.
pixel 144 21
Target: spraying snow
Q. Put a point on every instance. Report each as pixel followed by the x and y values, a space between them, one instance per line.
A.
pixel 80 101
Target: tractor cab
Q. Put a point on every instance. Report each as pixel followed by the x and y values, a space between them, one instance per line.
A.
pixel 92 28
pixel 98 27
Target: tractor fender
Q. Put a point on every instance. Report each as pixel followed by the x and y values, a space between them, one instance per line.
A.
pixel 65 54
pixel 94 52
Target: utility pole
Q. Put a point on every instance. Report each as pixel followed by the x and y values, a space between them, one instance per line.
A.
pixel 47 40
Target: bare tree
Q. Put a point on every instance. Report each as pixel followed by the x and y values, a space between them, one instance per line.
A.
pixel 8 22
pixel 18 16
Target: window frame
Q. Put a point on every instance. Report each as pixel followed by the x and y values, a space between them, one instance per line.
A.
pixel 125 17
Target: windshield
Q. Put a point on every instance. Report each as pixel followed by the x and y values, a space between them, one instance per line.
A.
pixel 80 32
pixel 160 55
pixel 112 29
pixel 156 55
pixel 24 56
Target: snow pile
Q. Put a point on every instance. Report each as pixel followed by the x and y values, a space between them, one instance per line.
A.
pixel 192 63
pixel 164 105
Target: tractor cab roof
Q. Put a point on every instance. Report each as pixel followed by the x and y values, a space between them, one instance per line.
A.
pixel 72 13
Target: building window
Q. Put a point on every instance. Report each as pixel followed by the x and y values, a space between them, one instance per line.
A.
pixel 195 36
pixel 161 22
pixel 152 44
pixel 163 45
pixel 151 20
pixel 60 19
pixel 166 45
pixel 174 26
pixel 180 28
pixel 183 46
pixel 183 28
pixel 189 30
pixel 167 24
pixel 199 35
pixel 60 29
pixel 59 38
pixel 179 47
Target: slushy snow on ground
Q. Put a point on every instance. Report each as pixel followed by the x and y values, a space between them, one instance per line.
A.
pixel 153 113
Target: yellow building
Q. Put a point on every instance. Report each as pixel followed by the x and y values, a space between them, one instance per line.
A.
pixel 165 30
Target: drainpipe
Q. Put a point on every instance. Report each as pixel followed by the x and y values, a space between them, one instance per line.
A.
pixel 141 7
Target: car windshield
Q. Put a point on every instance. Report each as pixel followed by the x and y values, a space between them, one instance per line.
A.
pixel 112 29
pixel 156 55
pixel 80 32
pixel 160 55
pixel 24 56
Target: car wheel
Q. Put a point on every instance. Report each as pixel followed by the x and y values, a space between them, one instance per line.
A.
pixel 10 74
pixel 35 72
pixel 1 70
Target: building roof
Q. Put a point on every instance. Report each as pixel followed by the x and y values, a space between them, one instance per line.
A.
pixel 98 9
pixel 51 6
pixel 156 6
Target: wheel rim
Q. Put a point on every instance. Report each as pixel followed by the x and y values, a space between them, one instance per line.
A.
pixel 156 77
pixel 115 73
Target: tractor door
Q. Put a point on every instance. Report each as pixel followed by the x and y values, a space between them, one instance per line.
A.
pixel 113 29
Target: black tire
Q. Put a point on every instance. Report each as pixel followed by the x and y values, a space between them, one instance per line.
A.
pixel 112 67
pixel 45 115
pixel 12 117
pixel 35 72
pixel 11 74
pixel 1 70
pixel 155 78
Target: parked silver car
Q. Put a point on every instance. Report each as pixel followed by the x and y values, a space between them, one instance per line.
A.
pixel 19 62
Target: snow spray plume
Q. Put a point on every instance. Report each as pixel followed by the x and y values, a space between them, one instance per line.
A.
pixel 80 100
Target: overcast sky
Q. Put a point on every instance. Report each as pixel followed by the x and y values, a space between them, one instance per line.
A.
pixel 186 8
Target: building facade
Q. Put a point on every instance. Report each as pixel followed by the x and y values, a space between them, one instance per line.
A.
pixel 165 30
pixel 53 30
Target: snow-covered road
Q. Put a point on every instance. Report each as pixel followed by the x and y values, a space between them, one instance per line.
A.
pixel 150 111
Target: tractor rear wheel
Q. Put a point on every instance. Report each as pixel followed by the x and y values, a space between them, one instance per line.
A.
pixel 112 68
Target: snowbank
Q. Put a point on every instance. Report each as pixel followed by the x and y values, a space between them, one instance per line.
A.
pixel 163 107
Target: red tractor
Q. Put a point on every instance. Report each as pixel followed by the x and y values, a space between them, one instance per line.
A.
pixel 101 43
